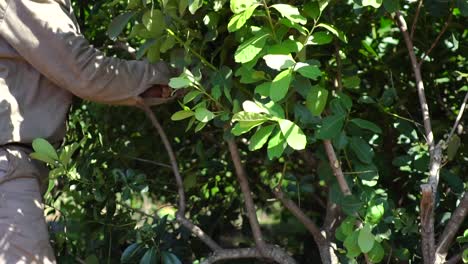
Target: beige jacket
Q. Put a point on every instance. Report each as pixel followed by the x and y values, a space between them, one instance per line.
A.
pixel 44 61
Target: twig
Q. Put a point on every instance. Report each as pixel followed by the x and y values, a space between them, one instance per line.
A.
pixel 273 252
pixel 172 157
pixel 327 252
pixel 419 83
pixel 148 161
pixel 459 117
pixel 300 215
pixel 338 80
pixel 248 200
pixel 336 167
pixel 415 20
pixel 451 229
pixel 436 41
pixel 197 231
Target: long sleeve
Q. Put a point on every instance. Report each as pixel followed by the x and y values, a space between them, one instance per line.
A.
pixel 44 34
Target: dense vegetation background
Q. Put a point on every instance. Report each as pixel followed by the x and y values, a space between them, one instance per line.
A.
pixel 312 105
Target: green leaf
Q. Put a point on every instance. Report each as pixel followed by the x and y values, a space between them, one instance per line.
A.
pixel 245 126
pixel 290 12
pixel 118 24
pixel 347 226
pixel 154 22
pixel 391 5
pixel 362 149
pixel 312 10
pixel 453 146
pixel 239 20
pixel 204 115
pixel 170 258
pixel 279 61
pixel 280 85
pixel 465 256
pixel 194 5
pixel 149 257
pixel 375 213
pixel 316 100
pixel 260 137
pixel 130 252
pixel 373 3
pixel 364 124
pixel 320 38
pixel 276 146
pixel 351 204
pixel 248 116
pixel 309 71
pixel 50 186
pixel 179 82
pixel 334 31
pixel 293 133
pixel 351 245
pixel 190 96
pixel 45 149
pixel 377 253
pixel 254 107
pixel 238 6
pixel 331 126
pixel 67 153
pixel 180 115
pixel 366 239
pixel 250 48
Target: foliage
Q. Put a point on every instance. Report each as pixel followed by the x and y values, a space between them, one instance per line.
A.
pixel 281 78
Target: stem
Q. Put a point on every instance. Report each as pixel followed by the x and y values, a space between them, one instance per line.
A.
pixel 436 41
pixel 270 21
pixel 419 83
pixel 415 20
pixel 459 117
pixel 196 54
pixel 336 167
pixel 248 200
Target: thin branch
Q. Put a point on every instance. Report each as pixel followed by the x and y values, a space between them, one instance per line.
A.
pixel 248 200
pixel 325 246
pixel 436 41
pixel 172 156
pixel 148 161
pixel 300 215
pixel 419 83
pixel 272 252
pixel 338 80
pixel 457 258
pixel 459 117
pixel 451 229
pixel 415 20
pixel 336 167
pixel 197 231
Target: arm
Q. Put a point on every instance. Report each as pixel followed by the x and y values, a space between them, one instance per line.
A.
pixel 46 37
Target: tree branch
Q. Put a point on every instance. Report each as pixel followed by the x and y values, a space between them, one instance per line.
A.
pixel 272 252
pixel 336 167
pixel 248 200
pixel 415 20
pixel 436 41
pixel 172 156
pixel 419 83
pixel 459 117
pixel 327 251
pixel 451 229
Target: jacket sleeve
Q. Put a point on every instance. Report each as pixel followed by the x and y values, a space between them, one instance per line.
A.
pixel 44 34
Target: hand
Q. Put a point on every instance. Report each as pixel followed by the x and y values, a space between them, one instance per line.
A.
pixel 157 91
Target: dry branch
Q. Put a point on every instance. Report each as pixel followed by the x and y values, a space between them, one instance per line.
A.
pixel 248 200
pixel 272 252
pixel 336 167
pixel 451 229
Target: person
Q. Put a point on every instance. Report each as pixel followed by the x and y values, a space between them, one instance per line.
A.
pixel 44 62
